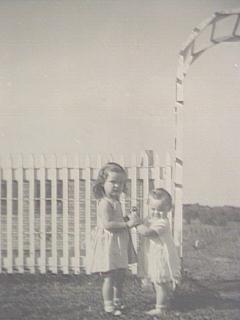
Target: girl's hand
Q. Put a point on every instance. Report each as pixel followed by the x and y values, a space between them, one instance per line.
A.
pixel 134 213
pixel 142 229
pixel 133 219
pixel 133 222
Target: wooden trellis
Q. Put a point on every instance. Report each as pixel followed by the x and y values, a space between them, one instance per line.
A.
pixel 187 55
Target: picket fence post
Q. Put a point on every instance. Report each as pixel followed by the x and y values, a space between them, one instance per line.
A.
pixel 9 179
pixel 31 179
pixel 88 210
pixel 19 179
pixel 77 252
pixel 123 196
pixel 157 172
pixel 145 184
pixel 65 258
pixel 42 172
pixel 1 178
pixel 168 183
pixel 53 179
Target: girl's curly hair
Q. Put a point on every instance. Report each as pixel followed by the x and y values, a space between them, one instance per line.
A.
pixel 163 195
pixel 98 189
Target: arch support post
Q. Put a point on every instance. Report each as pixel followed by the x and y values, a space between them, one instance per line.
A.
pixel 187 55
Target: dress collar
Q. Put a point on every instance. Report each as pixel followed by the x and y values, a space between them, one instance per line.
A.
pixel 112 201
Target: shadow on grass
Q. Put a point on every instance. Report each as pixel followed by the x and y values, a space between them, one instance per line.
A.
pixel 193 294
pixel 75 297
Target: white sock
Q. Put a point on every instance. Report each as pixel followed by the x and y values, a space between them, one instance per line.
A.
pixel 108 306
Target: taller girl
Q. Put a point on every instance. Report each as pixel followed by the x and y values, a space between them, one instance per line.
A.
pixel 110 250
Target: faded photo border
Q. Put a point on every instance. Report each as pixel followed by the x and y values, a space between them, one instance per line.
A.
pixel 150 85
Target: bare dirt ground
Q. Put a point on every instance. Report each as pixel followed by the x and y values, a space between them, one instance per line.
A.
pixel 210 289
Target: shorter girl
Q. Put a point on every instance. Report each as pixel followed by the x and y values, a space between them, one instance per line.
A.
pixel 111 245
pixel 163 263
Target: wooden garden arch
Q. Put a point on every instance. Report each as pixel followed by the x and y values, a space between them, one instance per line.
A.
pixel 187 55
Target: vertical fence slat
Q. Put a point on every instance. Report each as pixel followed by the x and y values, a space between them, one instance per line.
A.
pixel 145 184
pixel 53 171
pixel 1 219
pixel 9 216
pixel 31 216
pixel 134 181
pixel 88 209
pixel 168 182
pixel 99 166
pixel 20 215
pixel 133 176
pixel 42 215
pixel 76 178
pixel 123 195
pixel 142 252
pixel 65 217
pixel 157 172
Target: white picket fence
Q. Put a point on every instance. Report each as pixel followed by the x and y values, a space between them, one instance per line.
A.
pixel 48 209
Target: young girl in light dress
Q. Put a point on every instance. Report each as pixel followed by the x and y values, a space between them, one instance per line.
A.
pixel 163 263
pixel 112 239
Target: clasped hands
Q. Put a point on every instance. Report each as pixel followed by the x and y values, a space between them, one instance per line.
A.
pixel 133 219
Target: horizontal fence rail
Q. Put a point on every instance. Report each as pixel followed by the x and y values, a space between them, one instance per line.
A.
pixel 48 210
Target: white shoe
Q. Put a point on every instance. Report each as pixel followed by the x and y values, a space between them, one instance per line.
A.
pixel 157 311
pixel 114 312
pixel 117 313
pixel 154 312
pixel 119 306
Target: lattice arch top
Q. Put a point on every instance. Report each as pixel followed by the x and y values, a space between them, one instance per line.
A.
pixel 190 51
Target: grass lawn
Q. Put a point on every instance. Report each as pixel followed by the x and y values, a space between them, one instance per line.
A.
pixel 210 288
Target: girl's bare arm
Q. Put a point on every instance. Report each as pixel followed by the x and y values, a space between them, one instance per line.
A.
pixel 146 231
pixel 107 214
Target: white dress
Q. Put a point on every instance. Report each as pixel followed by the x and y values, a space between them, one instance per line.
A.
pixel 163 262
pixel 110 248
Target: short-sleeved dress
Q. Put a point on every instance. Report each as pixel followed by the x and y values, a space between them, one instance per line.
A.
pixel 110 248
pixel 163 262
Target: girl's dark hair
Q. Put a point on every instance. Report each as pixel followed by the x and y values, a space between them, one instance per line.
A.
pixel 98 189
pixel 163 195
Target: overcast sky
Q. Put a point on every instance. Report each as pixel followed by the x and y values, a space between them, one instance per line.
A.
pixel 99 77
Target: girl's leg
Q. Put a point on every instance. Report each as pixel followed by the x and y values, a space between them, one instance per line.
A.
pixel 161 299
pixel 107 292
pixel 119 277
pixel 161 294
